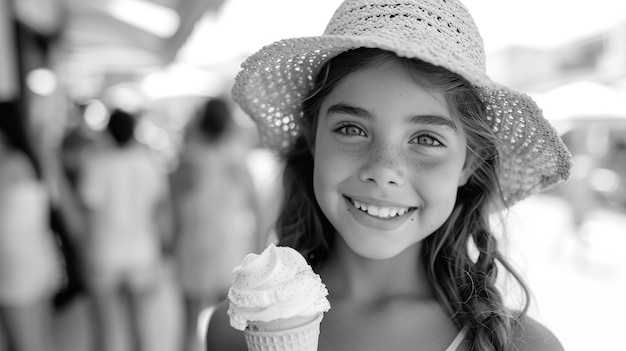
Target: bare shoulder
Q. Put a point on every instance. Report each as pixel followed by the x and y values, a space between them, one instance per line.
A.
pixel 529 334
pixel 220 335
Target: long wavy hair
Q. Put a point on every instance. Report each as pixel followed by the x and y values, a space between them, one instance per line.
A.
pixel 462 257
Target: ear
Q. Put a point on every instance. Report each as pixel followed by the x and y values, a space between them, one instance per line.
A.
pixel 470 166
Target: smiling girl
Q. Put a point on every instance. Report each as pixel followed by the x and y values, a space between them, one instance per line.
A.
pixel 397 149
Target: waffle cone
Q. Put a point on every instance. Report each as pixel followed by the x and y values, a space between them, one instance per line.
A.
pixel 294 334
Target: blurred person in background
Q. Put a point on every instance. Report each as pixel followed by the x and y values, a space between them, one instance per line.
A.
pixel 30 271
pixel 125 192
pixel 216 211
pixel 75 146
pixel 78 141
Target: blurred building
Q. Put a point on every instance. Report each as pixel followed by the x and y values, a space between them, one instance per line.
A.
pixel 600 58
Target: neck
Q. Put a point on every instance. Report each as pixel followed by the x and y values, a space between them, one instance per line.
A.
pixel 348 275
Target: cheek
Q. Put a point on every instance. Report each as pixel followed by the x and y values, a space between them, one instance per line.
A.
pixel 435 168
pixel 437 175
pixel 332 158
pixel 325 169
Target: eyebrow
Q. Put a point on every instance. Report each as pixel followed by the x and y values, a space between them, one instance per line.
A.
pixel 437 120
pixel 434 120
pixel 349 110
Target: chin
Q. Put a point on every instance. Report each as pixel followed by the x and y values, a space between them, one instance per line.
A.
pixel 378 251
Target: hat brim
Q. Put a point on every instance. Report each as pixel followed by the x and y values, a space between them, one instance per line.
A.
pixel 273 82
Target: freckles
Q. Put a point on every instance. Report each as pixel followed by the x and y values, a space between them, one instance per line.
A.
pixel 428 170
pixel 344 153
pixel 427 166
pixel 386 155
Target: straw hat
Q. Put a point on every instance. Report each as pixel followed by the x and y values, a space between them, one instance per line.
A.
pixel 273 81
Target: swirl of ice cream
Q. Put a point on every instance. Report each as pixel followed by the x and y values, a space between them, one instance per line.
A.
pixel 277 284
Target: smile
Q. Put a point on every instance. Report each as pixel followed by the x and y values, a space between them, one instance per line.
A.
pixel 381 212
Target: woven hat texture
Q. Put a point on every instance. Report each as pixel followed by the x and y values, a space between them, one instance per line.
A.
pixel 273 82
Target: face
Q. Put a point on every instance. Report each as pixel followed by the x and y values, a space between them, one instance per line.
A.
pixel 389 158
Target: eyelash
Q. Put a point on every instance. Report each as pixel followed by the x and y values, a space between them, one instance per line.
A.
pixel 342 129
pixel 435 141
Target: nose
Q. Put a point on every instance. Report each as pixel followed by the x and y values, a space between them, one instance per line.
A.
pixel 382 167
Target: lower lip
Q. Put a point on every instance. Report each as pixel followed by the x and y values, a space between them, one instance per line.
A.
pixel 367 220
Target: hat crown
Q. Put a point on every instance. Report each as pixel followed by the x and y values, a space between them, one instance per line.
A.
pixel 444 28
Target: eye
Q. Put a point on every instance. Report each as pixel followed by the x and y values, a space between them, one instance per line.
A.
pixel 350 130
pixel 427 140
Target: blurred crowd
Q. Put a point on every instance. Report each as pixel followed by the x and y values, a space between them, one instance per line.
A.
pixel 116 233
pixel 145 242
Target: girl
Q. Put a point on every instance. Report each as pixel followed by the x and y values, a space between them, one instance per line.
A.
pixel 397 148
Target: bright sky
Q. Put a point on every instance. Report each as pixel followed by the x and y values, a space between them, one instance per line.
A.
pixel 243 26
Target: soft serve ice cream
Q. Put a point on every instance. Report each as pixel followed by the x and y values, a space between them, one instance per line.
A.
pixel 278 284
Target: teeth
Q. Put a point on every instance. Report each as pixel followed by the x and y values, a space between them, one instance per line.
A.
pixel 382 212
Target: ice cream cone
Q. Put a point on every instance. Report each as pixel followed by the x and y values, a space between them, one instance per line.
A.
pixel 293 334
pixel 278 301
